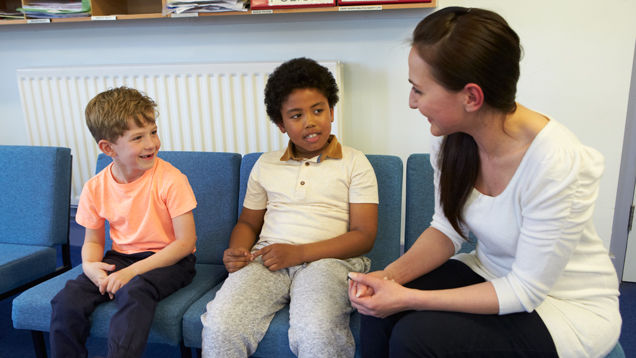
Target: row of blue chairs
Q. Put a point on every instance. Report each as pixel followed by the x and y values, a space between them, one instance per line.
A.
pixel 219 181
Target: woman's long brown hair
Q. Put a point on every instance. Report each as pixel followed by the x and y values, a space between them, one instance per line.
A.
pixel 462 46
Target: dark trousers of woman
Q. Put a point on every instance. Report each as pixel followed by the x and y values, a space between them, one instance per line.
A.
pixel 452 334
pixel 136 303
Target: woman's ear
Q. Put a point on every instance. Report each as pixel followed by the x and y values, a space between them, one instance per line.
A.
pixel 107 148
pixel 474 97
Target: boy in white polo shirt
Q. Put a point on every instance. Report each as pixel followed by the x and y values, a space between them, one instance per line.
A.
pixel 313 208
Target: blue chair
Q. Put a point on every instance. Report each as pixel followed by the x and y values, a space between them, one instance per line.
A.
pixel 35 207
pixel 420 206
pixel 388 170
pixel 214 178
pixel 420 201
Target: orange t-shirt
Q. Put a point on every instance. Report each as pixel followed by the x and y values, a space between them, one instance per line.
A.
pixel 140 213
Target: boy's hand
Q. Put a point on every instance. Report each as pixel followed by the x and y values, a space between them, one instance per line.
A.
pixel 115 281
pixel 236 259
pixel 280 256
pixel 96 271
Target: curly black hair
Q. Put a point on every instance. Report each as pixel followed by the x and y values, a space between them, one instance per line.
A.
pixel 298 73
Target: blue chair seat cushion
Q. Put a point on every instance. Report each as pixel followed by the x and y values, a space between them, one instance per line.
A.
pixel 32 309
pixel 21 264
pixel 276 340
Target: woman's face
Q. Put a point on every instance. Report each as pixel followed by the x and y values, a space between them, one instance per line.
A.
pixel 443 108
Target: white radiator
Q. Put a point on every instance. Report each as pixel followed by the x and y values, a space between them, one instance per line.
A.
pixel 213 107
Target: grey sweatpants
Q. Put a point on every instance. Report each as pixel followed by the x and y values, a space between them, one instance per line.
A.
pixel 238 317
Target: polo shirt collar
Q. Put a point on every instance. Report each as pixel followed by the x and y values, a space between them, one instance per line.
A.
pixel 333 150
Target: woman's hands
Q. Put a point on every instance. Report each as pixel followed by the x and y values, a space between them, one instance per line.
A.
pixel 361 290
pixel 376 294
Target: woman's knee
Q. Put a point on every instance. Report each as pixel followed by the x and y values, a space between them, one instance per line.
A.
pixel 408 344
pixel 422 334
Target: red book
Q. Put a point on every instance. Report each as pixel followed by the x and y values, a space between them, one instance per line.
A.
pixel 378 2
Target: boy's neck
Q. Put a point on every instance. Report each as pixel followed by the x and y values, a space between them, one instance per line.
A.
pixel 125 175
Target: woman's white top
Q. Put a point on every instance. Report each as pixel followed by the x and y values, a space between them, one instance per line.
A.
pixel 538 246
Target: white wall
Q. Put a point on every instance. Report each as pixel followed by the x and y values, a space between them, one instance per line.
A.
pixel 577 65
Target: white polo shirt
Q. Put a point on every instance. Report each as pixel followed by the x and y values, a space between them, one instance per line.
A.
pixel 307 200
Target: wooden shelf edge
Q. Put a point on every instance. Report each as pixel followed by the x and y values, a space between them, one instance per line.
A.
pixel 410 6
pixel 139 16
pixel 72 19
pixel 13 22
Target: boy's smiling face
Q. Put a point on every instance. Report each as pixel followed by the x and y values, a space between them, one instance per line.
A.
pixel 307 120
pixel 134 152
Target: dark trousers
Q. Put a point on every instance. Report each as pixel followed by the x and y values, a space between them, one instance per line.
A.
pixel 136 303
pixel 452 334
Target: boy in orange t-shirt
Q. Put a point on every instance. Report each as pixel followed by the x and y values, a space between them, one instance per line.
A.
pixel 148 204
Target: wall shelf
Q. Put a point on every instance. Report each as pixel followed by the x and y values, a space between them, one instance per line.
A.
pixel 152 9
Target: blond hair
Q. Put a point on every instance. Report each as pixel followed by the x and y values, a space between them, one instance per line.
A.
pixel 108 113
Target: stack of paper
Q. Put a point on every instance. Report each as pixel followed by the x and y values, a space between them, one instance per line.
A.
pixel 180 6
pixel 47 9
pixel 8 14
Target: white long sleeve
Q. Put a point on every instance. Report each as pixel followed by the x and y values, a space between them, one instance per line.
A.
pixel 538 246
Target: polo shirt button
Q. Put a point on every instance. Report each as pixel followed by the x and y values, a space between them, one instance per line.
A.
pixel 302 183
pixel 307 164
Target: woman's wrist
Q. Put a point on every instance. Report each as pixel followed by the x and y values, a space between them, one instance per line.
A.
pixel 389 274
pixel 415 299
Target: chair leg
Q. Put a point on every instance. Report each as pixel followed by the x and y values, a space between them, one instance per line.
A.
pixel 38 344
pixel 186 352
pixel 66 256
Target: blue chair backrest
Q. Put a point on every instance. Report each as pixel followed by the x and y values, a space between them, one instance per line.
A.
pixel 34 195
pixel 420 197
pixel 420 201
pixel 246 168
pixel 214 178
pixel 388 170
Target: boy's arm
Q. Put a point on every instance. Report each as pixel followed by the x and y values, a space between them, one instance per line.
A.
pixel 359 240
pixel 92 254
pixel 185 240
pixel 243 237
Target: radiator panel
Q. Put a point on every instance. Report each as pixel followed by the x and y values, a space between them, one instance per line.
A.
pixel 211 107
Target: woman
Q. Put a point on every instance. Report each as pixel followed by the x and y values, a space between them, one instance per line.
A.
pixel 541 283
